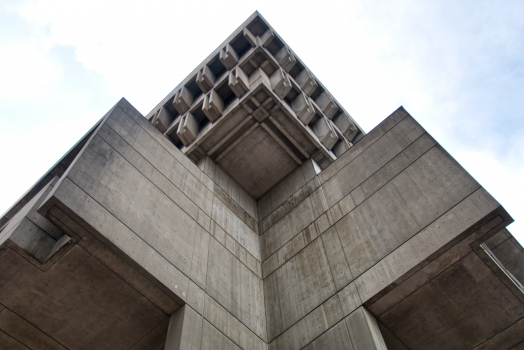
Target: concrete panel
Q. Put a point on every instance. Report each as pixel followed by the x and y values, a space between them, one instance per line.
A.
pixel 118 186
pixel 213 339
pixel 155 339
pixel 199 260
pixel 154 153
pixel 27 334
pixel 336 338
pixel 303 283
pixel 195 297
pixel 185 330
pixel 404 206
pixel 226 323
pixel 289 204
pixel 409 284
pixel 511 256
pixel 78 302
pixel 236 288
pixel 420 247
pixel 237 209
pixel 285 229
pixel 10 343
pixel 289 185
pixel 337 259
pixel 234 191
pixel 371 160
pixel 235 227
pixel 510 338
pixel 459 309
pixel 122 240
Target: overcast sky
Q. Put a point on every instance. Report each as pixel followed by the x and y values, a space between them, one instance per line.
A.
pixel 456 66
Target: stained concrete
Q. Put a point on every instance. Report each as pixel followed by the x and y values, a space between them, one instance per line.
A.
pixel 246 231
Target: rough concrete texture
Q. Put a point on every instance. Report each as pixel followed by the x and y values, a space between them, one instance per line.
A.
pixel 246 232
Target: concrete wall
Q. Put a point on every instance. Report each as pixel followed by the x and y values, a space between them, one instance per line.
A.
pixel 342 238
pixel 293 270
pixel 168 218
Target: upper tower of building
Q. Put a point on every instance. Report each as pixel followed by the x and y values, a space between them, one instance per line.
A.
pixel 256 110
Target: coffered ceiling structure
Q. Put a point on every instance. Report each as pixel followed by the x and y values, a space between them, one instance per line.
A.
pixel 255 109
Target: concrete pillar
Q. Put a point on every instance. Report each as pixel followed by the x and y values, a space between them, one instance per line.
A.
pixel 363 331
pixel 185 330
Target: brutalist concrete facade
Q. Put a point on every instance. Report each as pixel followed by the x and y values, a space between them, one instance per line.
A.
pixel 249 210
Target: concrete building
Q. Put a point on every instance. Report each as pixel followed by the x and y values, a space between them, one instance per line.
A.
pixel 249 210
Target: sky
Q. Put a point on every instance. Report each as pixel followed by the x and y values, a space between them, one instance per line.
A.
pixel 456 66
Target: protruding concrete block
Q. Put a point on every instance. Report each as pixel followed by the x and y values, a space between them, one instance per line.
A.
pixel 286 58
pixel 238 82
pixel 205 79
pixel 185 330
pixel 249 37
pixel 306 81
pixel 327 104
pixel 325 132
pixel 228 57
pixel 162 120
pixel 187 129
pixel 340 147
pixel 363 330
pixel 267 37
pixel 280 83
pixel 213 106
pixel 346 126
pixel 183 100
pixel 259 74
pixel 303 108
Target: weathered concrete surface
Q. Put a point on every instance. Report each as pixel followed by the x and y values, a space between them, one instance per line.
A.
pixel 230 235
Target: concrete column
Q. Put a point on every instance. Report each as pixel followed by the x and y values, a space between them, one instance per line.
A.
pixel 363 331
pixel 228 56
pixel 185 330
pixel 280 83
pixel 303 108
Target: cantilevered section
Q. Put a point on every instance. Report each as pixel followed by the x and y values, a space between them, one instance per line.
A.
pixel 256 109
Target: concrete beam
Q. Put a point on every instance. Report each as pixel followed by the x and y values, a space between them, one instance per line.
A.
pixel 286 58
pixel 213 106
pixel 363 330
pixel 182 100
pixel 187 129
pixel 238 82
pixel 185 330
pixel 280 83
pixel 228 57
pixel 346 126
pixel 301 105
pixel 325 132
pixel 327 104
pixel 306 81
pixel 205 79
